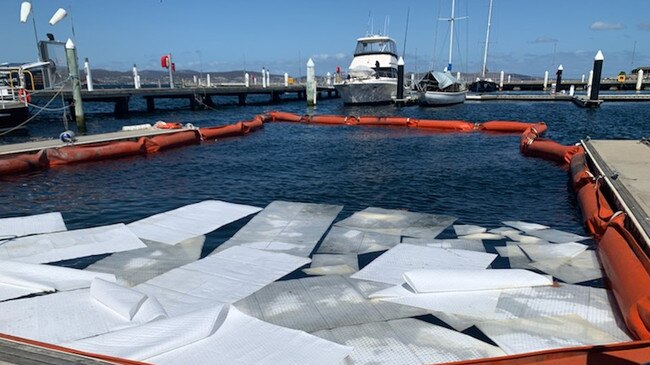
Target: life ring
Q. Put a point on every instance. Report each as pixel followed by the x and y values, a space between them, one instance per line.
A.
pixel 24 97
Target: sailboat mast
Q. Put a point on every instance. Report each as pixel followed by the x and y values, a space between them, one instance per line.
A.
pixel 487 40
pixel 451 33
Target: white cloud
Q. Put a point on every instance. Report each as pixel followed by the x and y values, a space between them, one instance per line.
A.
pixel 544 40
pixel 326 56
pixel 644 26
pixel 599 25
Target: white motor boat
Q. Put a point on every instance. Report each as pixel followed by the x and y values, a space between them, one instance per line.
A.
pixel 372 75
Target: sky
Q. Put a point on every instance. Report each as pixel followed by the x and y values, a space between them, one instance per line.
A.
pixel 526 37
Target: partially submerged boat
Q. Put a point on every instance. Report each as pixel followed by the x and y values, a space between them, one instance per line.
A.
pixel 372 75
pixel 441 88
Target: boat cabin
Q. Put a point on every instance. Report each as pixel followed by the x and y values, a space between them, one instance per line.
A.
pixel 378 53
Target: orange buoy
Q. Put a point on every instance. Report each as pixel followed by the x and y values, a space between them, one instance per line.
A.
pixel 24 97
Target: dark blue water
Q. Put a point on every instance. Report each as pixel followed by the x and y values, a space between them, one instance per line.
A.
pixel 479 178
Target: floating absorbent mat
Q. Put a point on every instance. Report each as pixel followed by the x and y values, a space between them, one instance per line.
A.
pixel 218 335
pixel 407 342
pixel 525 226
pixel 293 228
pixel 51 247
pixel 19 279
pixel 137 266
pixel 580 268
pixel 226 277
pixel 190 221
pixel 466 229
pixel 34 224
pixel 316 303
pixel 521 335
pixel 398 222
pixel 326 264
pixel 390 266
pixel 72 315
pixel 454 243
pixel 343 240
pixel 556 236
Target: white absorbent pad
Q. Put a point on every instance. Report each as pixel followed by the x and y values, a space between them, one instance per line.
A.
pixel 293 228
pixel 454 243
pixel 190 221
pixel 219 335
pixel 18 279
pixel 316 303
pixel 137 266
pixel 326 264
pixel 398 222
pixel 525 226
pixel 557 251
pixel 580 268
pixel 456 280
pixel 51 247
pixel 521 335
pixel 516 257
pixel 343 240
pixel 556 236
pixel 465 229
pixel 408 342
pixel 72 315
pixel 225 277
pixel 390 266
pixel 34 224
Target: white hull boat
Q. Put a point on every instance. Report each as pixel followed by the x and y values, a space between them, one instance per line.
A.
pixel 371 91
pixel 441 98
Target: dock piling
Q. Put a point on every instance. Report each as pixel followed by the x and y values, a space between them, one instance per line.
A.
pixel 89 76
pixel 598 68
pixel 73 70
pixel 286 79
pixel 263 77
pixel 639 80
pixel 400 82
pixel 247 79
pixel 311 83
pixel 501 80
pixel 208 83
pixel 136 77
pixel 558 82
pixel 545 80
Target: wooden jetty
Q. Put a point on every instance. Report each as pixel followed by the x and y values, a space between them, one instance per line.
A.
pixel 623 165
pixel 198 97
pixel 577 99
pixel 538 85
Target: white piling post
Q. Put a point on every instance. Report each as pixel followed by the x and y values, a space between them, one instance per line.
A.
pixel 247 79
pixel 195 79
pixel 458 75
pixel 329 79
pixel 268 78
pixel 509 78
pixel 501 80
pixel 545 80
pixel 583 78
pixel 590 81
pixel 171 72
pixel 286 79
pixel 136 77
pixel 311 83
pixel 412 79
pixel 207 81
pixel 89 76
pixel 263 77
pixel 572 90
pixel 639 80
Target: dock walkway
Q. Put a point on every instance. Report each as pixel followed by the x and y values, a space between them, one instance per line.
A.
pixel 625 166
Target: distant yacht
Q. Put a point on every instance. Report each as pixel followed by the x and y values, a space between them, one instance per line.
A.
pixel 372 75
pixel 441 88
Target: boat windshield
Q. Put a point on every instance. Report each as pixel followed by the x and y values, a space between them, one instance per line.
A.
pixel 374 46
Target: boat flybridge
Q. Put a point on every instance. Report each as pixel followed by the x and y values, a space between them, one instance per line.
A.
pixel 372 75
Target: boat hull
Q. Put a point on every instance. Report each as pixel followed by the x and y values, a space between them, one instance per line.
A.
pixel 12 114
pixel 378 91
pixel 441 98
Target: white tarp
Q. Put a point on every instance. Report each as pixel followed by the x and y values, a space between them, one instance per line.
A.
pixel 220 335
pixel 18 279
pixel 226 277
pixel 522 335
pixel 34 224
pixel 407 341
pixel 51 247
pixel 456 280
pixel 390 266
pixel 137 266
pixel 69 316
pixel 292 228
pixel 190 221
pixel 397 222
pixel 315 303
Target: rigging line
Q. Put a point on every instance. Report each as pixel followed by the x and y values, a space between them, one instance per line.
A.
pixel 406 32
pixel 435 36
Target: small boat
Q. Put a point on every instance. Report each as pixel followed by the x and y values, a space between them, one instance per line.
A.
pixel 14 99
pixel 372 75
pixel 441 88
pixel 12 114
pixel 483 86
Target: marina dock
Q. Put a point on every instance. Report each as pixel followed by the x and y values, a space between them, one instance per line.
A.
pixel 624 167
pixel 198 97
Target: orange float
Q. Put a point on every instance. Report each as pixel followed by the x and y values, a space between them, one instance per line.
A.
pixel 501 126
pixel 444 125
pixel 167 141
pixel 23 163
pixel 94 152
